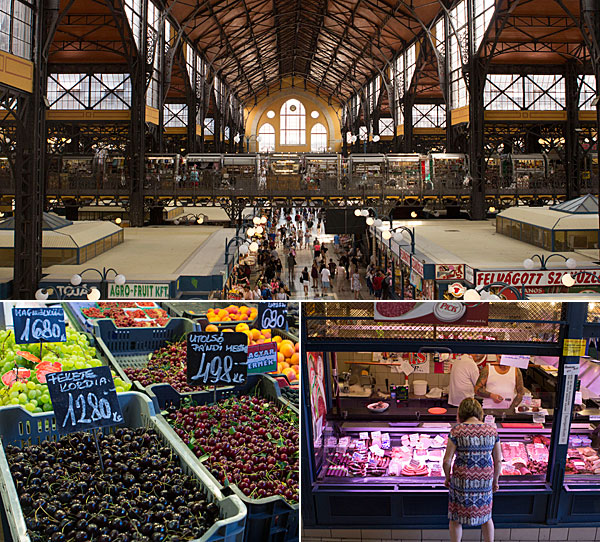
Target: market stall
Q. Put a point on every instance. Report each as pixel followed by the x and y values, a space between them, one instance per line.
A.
pixel 162 171
pixel 151 423
pixel 528 170
pixel 240 171
pixel 367 171
pixel 448 171
pixel 202 170
pixel 404 173
pixel 322 171
pixel 381 399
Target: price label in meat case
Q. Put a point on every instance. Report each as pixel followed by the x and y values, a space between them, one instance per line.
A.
pixel 363 435
pixel 565 420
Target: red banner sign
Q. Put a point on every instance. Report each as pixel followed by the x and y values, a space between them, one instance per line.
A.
pixel 441 312
pixel 538 278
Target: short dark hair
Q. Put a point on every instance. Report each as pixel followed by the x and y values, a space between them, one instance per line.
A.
pixel 470 408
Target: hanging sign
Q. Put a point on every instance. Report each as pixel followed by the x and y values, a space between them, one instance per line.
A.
pixel 442 312
pixel 449 272
pixel 39 324
pixel 262 358
pixel 217 358
pixel 84 399
pixel 565 420
pixel 272 315
pixel 513 360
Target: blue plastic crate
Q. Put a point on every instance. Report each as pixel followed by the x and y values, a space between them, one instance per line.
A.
pixel 20 428
pixel 271 519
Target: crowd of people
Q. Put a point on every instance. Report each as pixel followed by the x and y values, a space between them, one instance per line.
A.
pixel 273 270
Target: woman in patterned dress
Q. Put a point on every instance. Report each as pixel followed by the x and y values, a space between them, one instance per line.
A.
pixel 475 447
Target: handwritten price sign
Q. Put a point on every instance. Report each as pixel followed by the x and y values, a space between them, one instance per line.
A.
pixel 217 358
pixel 272 315
pixel 41 324
pixel 84 399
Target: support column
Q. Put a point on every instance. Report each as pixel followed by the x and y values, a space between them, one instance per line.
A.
pixel 137 141
pixel 476 139
pixel 572 173
pixel 29 167
pixel 408 123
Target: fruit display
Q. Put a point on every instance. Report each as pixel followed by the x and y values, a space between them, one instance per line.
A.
pixel 128 313
pixel 141 494
pixel 25 368
pixel 247 441
pixel 231 313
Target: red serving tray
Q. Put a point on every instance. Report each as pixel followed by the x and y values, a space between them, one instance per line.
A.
pixel 522 425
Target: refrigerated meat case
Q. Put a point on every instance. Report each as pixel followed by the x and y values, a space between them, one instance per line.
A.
pixel 565 492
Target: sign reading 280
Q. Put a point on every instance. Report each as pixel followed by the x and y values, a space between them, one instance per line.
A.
pixel 42 324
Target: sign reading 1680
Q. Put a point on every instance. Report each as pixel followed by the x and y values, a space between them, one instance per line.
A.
pixel 41 324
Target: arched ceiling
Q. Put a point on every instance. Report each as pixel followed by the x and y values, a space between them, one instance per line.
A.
pixel 335 45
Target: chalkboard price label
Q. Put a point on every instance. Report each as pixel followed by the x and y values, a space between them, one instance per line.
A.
pixel 84 399
pixel 217 358
pixel 272 314
pixel 262 358
pixel 39 324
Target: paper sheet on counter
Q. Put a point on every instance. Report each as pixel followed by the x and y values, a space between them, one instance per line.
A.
pixel 490 404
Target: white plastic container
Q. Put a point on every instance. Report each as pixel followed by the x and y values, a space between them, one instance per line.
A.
pixel 419 387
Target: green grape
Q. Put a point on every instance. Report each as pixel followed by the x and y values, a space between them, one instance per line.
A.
pixel 37 410
pixel 47 407
pixel 23 398
pixel 31 385
pixel 29 407
pixel 14 401
pixel 31 393
pixel 119 389
pixel 45 398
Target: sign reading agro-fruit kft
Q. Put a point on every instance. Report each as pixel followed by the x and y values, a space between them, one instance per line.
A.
pixel 84 399
pixel 217 358
pixel 41 324
pixel 139 291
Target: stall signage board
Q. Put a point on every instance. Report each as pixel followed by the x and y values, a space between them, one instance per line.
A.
pixel 39 324
pixel 262 358
pixel 469 275
pixel 84 399
pixel 449 272
pixel 571 369
pixel 512 360
pixel 272 315
pixel 538 277
pixel 565 420
pixel 418 267
pixel 405 256
pixel 574 347
pixel 139 291
pixel 442 312
pixel 457 289
pixel 217 358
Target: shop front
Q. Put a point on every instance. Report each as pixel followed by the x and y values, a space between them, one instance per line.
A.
pixel 382 397
pixel 452 280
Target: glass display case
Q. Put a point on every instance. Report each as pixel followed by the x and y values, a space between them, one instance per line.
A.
pixel 404 173
pixel 284 171
pixel 367 171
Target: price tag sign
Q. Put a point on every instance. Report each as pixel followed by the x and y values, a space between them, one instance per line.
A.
pixel 363 435
pixel 539 417
pixel 217 358
pixel 84 399
pixel 578 398
pixel 490 419
pixel 262 358
pixel 376 435
pixel 39 324
pixel 272 314
pixel 522 362
pixel 376 450
pixel 594 418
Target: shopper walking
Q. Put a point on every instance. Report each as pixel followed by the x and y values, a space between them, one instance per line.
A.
pixel 355 282
pixel 291 264
pixel 473 478
pixel 305 280
pixel 325 278
pixel 378 284
pixel 314 274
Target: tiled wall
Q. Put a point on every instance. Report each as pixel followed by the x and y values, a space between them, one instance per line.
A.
pixel 381 372
pixel 575 534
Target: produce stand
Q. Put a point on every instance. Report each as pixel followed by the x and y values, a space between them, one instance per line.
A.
pixel 20 428
pixel 537 487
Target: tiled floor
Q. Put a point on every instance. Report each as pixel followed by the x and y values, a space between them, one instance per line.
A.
pixel 575 534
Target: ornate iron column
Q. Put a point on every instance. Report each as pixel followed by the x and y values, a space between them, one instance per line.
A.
pixel 572 174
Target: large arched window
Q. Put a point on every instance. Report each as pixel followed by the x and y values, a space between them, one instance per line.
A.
pixel 318 138
pixel 267 138
pixel 293 123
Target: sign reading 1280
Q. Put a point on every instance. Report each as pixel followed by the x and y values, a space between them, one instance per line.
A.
pixel 217 358
pixel 272 315
pixel 41 324
pixel 84 399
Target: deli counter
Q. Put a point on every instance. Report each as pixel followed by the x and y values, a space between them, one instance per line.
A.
pixel 375 437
